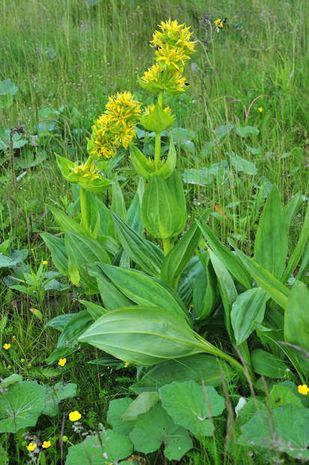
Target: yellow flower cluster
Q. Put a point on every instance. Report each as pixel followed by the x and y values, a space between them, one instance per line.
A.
pixel 115 127
pixel 219 23
pixel 87 170
pixel 173 47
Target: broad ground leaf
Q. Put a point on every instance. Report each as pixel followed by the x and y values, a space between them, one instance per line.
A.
pixel 21 406
pixel 296 318
pixel 242 165
pixel 55 394
pixel 109 447
pixel 142 404
pixel 200 368
pixel 282 394
pixel 143 289
pixel 16 257
pixel 156 427
pixel 116 410
pixel 191 405
pixel 247 310
pixel 12 379
pixel 284 429
pixel 267 364
pixel 271 241
pixel 143 335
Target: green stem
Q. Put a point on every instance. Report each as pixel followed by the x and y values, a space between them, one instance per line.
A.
pixel 157 150
pixel 166 246
pixel 83 208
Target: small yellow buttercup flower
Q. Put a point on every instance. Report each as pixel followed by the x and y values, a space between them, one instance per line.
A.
pixel 219 23
pixel 62 362
pixel 32 446
pixel 303 389
pixel 6 346
pixel 44 262
pixel 75 416
pixel 46 444
pixel 260 109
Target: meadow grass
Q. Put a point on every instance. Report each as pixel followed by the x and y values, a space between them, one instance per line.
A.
pixel 74 53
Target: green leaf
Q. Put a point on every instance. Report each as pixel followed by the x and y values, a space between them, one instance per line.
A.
pixel 73 329
pixel 57 249
pixel 116 410
pixel 226 287
pixel 157 119
pixel 271 241
pixel 65 223
pixel 21 406
pixel 205 176
pixel 16 257
pixel 55 394
pixel 111 296
pixel 118 205
pixel 200 368
pixel 141 164
pixel 230 260
pixel 12 379
pixel 142 404
pixel 108 448
pixel 246 131
pixel 284 429
pixel 267 364
pixel 168 166
pixel 191 405
pixel 7 87
pixel 291 208
pixel 156 427
pixel 248 310
pixel 299 249
pixel 282 394
pixel 143 335
pixel 243 166
pixel 296 318
pixel 176 260
pixel 94 310
pixel 144 253
pixel 143 289
pixel 277 291
pixel 204 290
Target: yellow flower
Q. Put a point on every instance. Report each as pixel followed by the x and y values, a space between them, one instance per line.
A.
pixel 162 77
pixel 219 23
pixel 303 389
pixel 6 346
pixel 74 416
pixel 46 444
pixel 260 109
pixel 174 35
pixel 32 446
pixel 115 127
pixel 126 364
pixel 62 362
pixel 44 262
pixel 87 170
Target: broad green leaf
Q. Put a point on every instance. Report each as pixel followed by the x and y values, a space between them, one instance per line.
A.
pixel 143 335
pixel 7 87
pixel 144 253
pixel 191 405
pixel 296 318
pixel 57 249
pixel 281 394
pixel 59 321
pixel 230 260
pixel 200 368
pixel 271 240
pixel 299 250
pixel 242 165
pixel 21 406
pixel 276 290
pixel 156 427
pixel 16 257
pixel 248 310
pixel 118 205
pixel 143 289
pixel 55 394
pixel 142 404
pixel 109 447
pixel 12 379
pixel 226 287
pixel 94 310
pixel 267 364
pixel 156 119
pixel 111 296
pixel 73 329
pixel 284 429
pixel 291 208
pixel 204 290
pixel 205 176
pixel 65 223
pixel 169 165
pixel 116 410
pixel 134 210
pixel 246 131
pixel 176 260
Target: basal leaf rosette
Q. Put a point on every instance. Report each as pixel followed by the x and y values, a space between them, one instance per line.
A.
pixel 86 175
pixel 115 128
